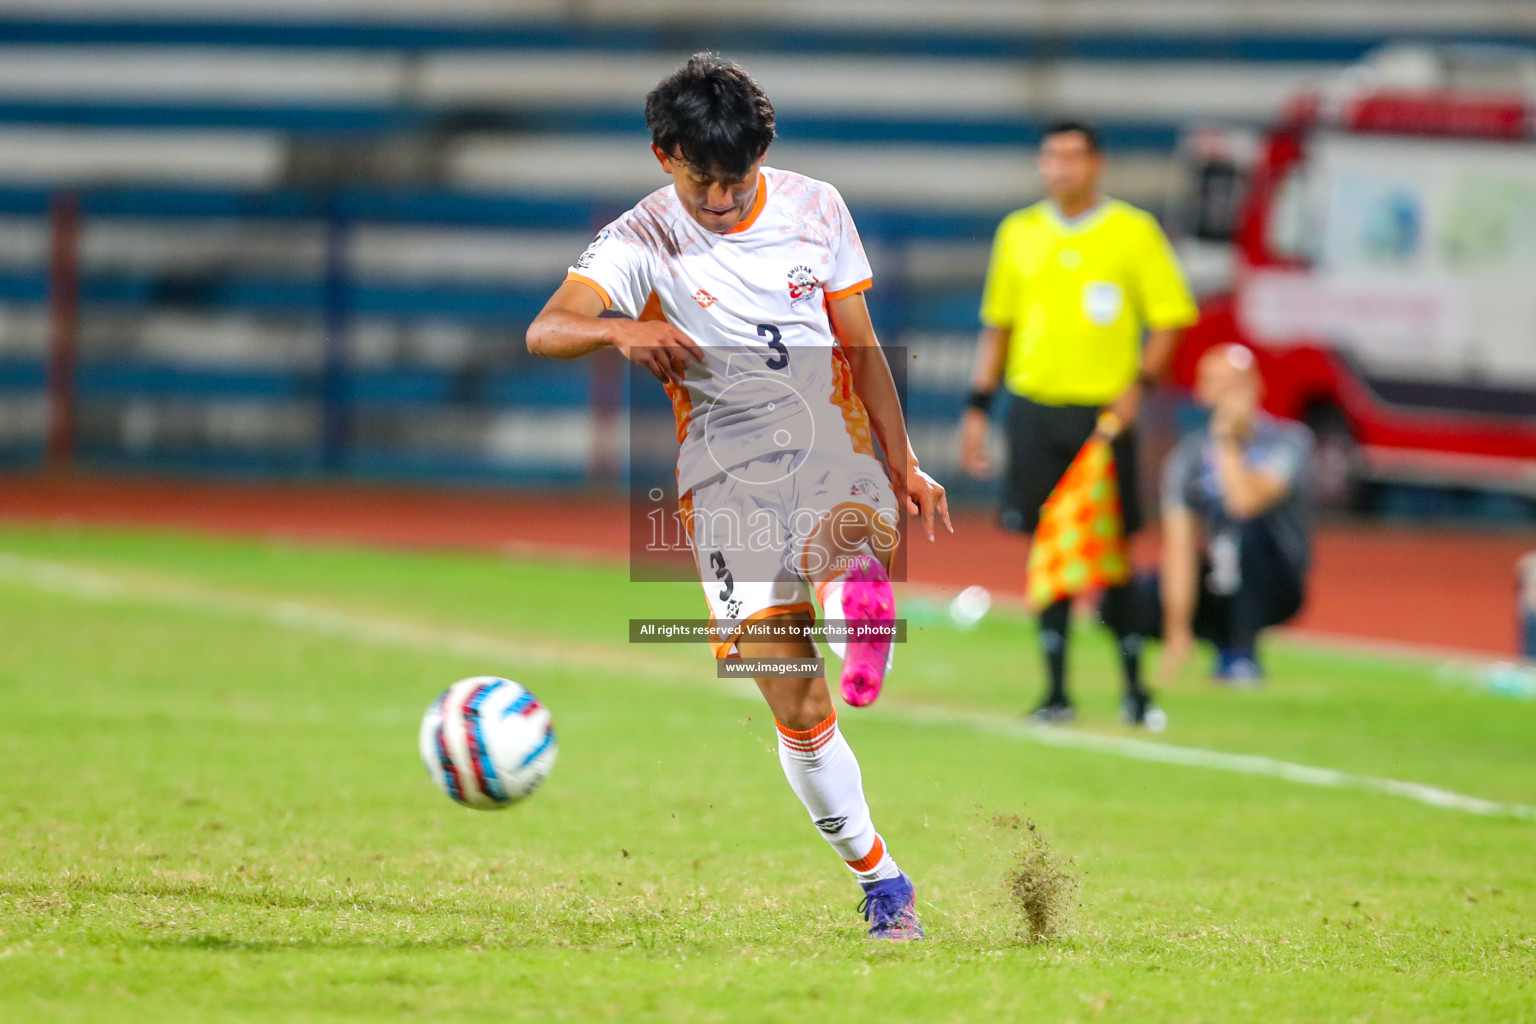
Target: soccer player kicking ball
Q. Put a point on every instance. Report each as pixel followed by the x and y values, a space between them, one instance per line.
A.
pixel 744 285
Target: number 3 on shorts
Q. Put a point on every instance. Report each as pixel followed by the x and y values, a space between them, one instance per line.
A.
pixel 775 342
pixel 717 560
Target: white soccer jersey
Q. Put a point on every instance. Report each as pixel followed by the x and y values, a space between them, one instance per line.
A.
pixel 754 299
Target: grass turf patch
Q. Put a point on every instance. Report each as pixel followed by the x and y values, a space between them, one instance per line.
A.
pixel 212 815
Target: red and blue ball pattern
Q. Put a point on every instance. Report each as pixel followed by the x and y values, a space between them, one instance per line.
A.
pixel 487 742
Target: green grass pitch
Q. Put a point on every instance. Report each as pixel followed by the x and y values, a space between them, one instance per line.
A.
pixel 212 809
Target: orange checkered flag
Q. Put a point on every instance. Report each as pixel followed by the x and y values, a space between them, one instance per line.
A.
pixel 1080 542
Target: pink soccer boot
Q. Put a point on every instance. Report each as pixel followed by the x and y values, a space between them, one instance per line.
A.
pixel 868 605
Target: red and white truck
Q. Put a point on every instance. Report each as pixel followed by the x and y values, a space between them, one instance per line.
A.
pixel 1376 247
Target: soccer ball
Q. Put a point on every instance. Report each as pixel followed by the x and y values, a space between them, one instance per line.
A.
pixel 487 742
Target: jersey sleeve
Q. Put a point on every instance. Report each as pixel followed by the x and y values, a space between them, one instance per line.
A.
pixel 1000 295
pixel 618 266
pixel 1162 294
pixel 850 265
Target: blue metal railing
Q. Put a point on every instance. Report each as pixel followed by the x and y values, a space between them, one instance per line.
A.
pixel 338 393
pixel 1219 42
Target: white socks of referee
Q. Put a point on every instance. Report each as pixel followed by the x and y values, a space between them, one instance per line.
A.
pixel 825 775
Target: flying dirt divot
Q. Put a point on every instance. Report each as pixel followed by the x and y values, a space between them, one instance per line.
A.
pixel 1041 886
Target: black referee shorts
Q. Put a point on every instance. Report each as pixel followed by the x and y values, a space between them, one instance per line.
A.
pixel 1042 442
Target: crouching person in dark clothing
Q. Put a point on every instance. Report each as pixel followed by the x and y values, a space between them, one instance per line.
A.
pixel 1235 523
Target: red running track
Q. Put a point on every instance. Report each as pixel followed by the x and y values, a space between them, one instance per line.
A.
pixel 1399 584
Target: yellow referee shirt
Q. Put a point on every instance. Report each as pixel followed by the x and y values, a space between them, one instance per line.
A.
pixel 1077 296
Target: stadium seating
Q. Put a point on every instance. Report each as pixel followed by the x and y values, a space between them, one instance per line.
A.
pixel 256 177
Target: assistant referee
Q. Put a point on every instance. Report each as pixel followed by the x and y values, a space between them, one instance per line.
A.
pixel 1083 307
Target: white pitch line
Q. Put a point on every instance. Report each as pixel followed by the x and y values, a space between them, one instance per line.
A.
pixel 1243 764
pixel 92 585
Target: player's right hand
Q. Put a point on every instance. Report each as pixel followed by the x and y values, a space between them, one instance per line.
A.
pixel 923 496
pixel 975 454
pixel 657 346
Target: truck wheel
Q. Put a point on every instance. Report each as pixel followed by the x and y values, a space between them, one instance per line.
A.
pixel 1336 476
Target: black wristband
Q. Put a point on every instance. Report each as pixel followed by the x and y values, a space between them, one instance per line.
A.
pixel 979 400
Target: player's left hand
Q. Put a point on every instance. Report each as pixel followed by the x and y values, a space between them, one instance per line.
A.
pixel 924 496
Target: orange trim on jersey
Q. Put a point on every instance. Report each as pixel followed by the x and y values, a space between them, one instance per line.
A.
pixel 685 507
pixel 855 416
pixel 757 206
pixel 853 289
pixel 870 859
pixel 682 407
pixel 723 647
pixel 682 399
pixel 652 310
pixel 601 291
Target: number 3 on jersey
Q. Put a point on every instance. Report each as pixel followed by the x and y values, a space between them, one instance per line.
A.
pixel 780 358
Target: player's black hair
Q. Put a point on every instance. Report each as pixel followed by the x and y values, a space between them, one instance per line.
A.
pixel 711 113
pixel 1089 133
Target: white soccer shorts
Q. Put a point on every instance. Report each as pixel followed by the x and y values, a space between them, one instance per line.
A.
pixel 748 528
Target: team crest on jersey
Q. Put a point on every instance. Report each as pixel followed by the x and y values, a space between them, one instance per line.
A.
pixel 802 284
pixel 704 299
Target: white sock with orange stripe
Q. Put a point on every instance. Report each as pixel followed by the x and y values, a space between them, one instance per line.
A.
pixel 825 775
